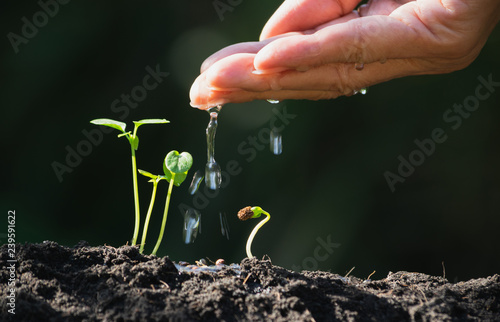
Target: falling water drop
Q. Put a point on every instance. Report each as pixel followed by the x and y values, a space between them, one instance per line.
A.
pixel 195 183
pixel 224 227
pixel 363 91
pixel 192 225
pixel 213 176
pixel 273 101
pixel 275 140
pixel 359 66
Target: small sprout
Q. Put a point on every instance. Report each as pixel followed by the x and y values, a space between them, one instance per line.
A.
pixel 253 212
pixel 133 139
pixel 175 167
pixel 154 179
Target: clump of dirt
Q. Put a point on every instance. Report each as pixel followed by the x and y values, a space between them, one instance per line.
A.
pixel 83 283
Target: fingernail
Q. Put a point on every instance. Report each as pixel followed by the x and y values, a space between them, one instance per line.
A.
pixel 208 105
pixel 269 71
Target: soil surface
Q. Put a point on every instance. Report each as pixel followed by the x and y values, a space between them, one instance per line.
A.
pixel 83 283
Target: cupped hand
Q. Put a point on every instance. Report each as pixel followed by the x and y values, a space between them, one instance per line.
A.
pixel 322 49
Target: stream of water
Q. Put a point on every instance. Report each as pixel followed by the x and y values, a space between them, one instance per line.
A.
pixel 212 169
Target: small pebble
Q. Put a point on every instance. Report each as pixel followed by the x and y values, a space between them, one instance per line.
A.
pixel 220 261
pixel 183 263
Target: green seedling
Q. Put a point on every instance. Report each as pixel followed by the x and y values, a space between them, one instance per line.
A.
pixel 253 212
pixel 175 167
pixel 154 179
pixel 133 139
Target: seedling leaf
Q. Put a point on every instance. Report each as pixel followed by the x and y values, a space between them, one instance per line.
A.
pixel 257 211
pixel 147 174
pixel 178 163
pixel 178 179
pixel 120 126
pixel 150 121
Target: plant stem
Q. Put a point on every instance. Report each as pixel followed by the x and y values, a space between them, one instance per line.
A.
pixel 148 216
pixel 136 199
pixel 254 232
pixel 165 213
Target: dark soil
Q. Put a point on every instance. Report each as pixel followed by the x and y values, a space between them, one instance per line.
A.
pixel 57 283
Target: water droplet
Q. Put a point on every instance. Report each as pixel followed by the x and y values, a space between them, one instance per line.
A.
pixel 224 227
pixel 273 101
pixel 212 169
pixel 213 176
pixel 275 139
pixel 195 183
pixel 359 66
pixel 363 91
pixel 192 225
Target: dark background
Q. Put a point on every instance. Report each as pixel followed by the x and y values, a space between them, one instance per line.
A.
pixel 328 181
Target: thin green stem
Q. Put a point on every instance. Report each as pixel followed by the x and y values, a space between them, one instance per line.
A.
pixel 148 216
pixel 136 199
pixel 254 232
pixel 165 213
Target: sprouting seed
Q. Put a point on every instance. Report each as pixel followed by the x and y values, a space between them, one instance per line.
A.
pixel 253 212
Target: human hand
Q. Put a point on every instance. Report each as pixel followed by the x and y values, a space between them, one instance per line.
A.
pixel 321 49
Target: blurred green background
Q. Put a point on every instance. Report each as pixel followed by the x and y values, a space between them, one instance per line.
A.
pixel 327 185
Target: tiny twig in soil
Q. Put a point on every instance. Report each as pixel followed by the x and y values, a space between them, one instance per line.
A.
pixel 246 278
pixel 350 271
pixel 370 275
pixel 166 285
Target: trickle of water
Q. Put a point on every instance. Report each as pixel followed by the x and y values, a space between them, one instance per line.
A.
pixel 359 66
pixel 273 101
pixel 275 141
pixel 224 227
pixel 195 183
pixel 192 225
pixel 213 176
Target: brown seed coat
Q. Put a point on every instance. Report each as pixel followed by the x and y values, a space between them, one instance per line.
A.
pixel 245 213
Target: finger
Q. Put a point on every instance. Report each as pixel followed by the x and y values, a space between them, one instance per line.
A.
pixel 251 47
pixel 236 73
pixel 305 14
pixel 361 40
pixel 246 47
pixel 232 80
pixel 203 97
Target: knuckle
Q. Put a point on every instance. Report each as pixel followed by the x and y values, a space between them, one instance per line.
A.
pixel 341 81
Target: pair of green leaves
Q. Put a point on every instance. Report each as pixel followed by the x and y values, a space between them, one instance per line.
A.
pixel 175 165
pixel 120 126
